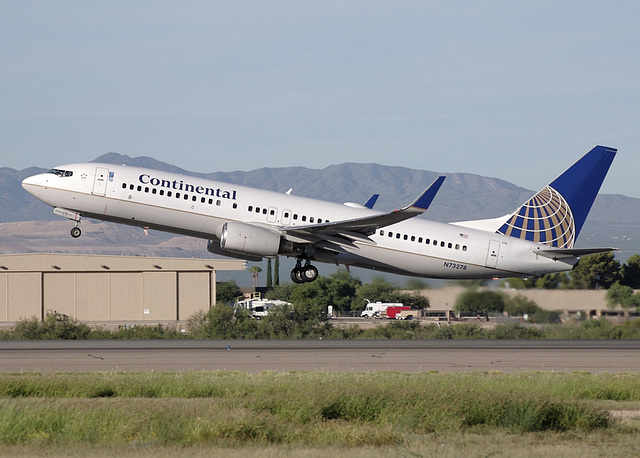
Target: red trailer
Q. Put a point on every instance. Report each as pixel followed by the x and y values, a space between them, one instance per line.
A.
pixel 393 311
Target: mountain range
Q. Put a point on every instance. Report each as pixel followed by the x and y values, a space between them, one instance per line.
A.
pixel 28 225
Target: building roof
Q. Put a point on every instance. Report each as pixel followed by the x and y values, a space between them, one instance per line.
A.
pixel 56 262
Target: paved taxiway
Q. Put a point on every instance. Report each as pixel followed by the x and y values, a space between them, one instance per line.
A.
pixel 320 355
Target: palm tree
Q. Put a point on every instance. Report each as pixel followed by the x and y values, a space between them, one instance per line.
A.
pixel 255 270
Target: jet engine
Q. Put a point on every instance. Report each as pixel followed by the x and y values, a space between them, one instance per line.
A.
pixel 213 246
pixel 251 240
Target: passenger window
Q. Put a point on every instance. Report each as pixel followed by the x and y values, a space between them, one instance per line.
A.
pixel 413 238
pixel 449 245
pixel 457 246
pixel 304 218
pixel 177 195
pixel 146 189
pixel 406 236
pixel 139 188
pixel 295 217
pixel 427 241
pixel 264 211
pixel 218 204
pixel 398 235
pixel 131 187
pixel 124 185
pixel 311 219
pixel 154 191
pixel 319 220
pixel 162 192
pixel 257 209
pixel 419 239
pixel 186 197
pixel 435 243
pixel 168 193
pixel 442 244
pixel 202 199
pixel 464 247
pixel 235 205
pixel 381 232
pixel 250 208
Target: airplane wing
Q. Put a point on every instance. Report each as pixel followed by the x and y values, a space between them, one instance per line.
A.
pixel 360 228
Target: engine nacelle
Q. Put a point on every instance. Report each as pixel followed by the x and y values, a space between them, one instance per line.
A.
pixel 213 246
pixel 250 240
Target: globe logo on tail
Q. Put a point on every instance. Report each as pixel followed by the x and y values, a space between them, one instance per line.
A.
pixel 545 218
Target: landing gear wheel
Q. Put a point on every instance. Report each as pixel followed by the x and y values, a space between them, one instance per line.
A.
pixel 296 275
pixel 304 274
pixel 76 232
pixel 309 273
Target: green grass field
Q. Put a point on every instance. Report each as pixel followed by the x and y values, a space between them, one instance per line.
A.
pixel 311 414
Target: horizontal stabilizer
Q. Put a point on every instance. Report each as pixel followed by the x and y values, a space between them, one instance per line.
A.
pixel 563 253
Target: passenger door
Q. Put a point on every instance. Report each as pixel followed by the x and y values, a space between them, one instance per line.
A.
pixel 100 181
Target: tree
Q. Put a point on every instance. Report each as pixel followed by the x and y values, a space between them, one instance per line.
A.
pixel 520 305
pixel 341 289
pixel 378 290
pixel 631 272
pixel 416 284
pixel 227 292
pixel 595 271
pixel 552 281
pixel 481 302
pixel 276 277
pixel 547 281
pixel 415 301
pixel 337 290
pixel 269 274
pixel 219 322
pixel 255 270
pixel 623 296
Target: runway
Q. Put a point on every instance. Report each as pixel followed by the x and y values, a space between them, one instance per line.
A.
pixel 320 355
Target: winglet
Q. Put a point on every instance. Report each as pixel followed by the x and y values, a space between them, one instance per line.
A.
pixel 423 201
pixel 372 201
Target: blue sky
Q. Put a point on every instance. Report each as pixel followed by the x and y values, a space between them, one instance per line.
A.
pixel 517 90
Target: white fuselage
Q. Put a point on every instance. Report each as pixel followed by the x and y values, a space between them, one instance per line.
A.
pixel 197 207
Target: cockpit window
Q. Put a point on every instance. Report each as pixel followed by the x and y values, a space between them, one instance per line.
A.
pixel 61 173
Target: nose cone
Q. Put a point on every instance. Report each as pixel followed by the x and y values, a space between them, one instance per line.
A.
pixel 33 184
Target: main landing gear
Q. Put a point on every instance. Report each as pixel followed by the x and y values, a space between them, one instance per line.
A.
pixel 304 274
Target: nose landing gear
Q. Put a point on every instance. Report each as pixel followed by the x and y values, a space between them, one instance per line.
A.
pixel 76 232
pixel 304 274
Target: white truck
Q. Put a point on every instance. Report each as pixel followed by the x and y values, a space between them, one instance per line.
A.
pixel 257 307
pixel 378 309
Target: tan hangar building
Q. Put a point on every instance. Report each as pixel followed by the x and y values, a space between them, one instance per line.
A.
pixel 108 288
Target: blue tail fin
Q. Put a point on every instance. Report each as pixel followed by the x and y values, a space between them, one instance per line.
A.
pixel 556 214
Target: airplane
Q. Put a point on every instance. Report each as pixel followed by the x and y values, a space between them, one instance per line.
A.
pixel 251 224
